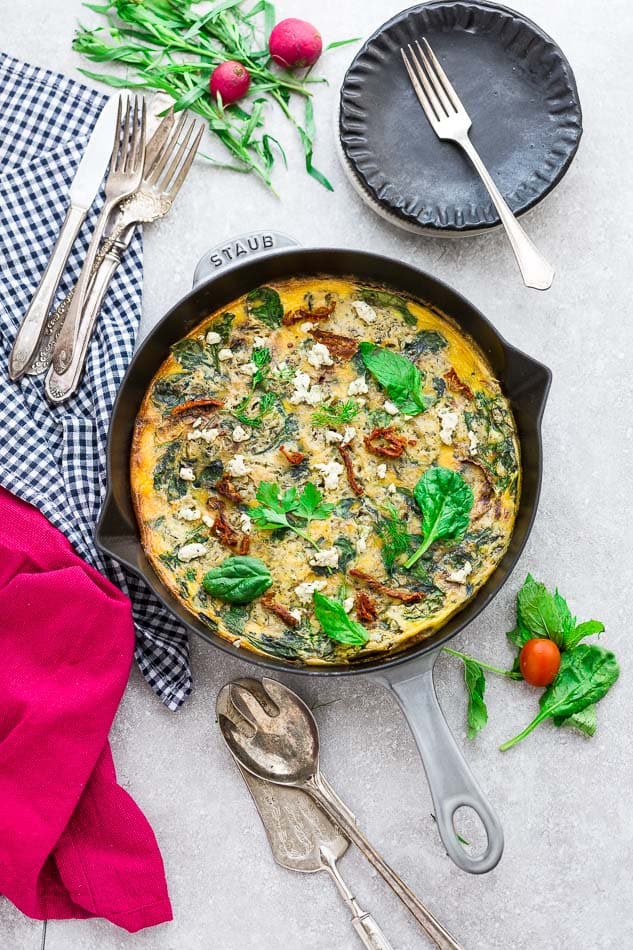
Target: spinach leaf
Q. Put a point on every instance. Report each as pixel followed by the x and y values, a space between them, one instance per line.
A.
pixel 477 714
pixel 426 341
pixel 400 378
pixel 238 579
pixel 222 325
pixel 585 721
pixel 347 549
pixel 387 300
pixel 492 426
pixel 336 623
pixel 210 474
pixel 446 500
pixel 166 477
pixel 264 304
pixel 192 355
pixel 539 612
pixel 169 391
pixel 586 674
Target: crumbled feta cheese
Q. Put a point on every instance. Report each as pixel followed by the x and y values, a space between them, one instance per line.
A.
pixel 239 434
pixel 197 422
pixel 208 520
pixel 209 435
pixel 332 436
pixel 189 514
pixel 348 434
pixel 236 466
pixel 381 471
pixel 473 443
pixel 306 327
pixel 391 408
pixel 191 551
pixel 366 313
pixel 459 577
pixel 296 612
pixel 448 422
pixel 304 392
pixel 319 356
pixel 331 472
pixel 392 489
pixel 187 474
pixel 248 368
pixel 259 342
pixel 348 603
pixel 304 591
pixel 195 434
pixel 357 387
pixel 361 541
pixel 213 338
pixel 326 558
pixel 245 522
pixel 225 354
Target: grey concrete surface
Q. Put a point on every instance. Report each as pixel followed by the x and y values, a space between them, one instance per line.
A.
pixel 564 882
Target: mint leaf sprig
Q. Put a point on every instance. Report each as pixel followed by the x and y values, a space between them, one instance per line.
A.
pixel 289 510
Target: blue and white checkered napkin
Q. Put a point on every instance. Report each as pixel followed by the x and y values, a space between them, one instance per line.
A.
pixel 54 457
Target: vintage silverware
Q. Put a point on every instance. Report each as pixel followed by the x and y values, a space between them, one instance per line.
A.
pixel 278 741
pixel 83 191
pixel 450 121
pixel 160 122
pixel 301 836
pixel 124 178
pixel 153 200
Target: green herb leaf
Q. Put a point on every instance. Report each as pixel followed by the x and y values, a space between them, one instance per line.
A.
pixel 166 477
pixel 587 629
pixel 192 355
pixel 264 304
pixel 387 300
pixel 311 505
pixel 336 413
pixel 273 510
pixel 426 341
pixel 585 721
pixel 391 528
pixel 336 623
pixel 539 612
pixel 586 674
pixel 446 500
pixel 238 580
pixel 477 714
pixel 397 375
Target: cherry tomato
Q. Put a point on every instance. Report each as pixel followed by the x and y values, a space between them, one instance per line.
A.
pixel 539 661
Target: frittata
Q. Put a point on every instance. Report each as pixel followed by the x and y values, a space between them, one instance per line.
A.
pixel 325 471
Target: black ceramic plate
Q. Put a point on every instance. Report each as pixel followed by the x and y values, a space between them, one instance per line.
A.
pixel 517 87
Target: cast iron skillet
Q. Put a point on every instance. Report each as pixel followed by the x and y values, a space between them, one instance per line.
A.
pixel 228 272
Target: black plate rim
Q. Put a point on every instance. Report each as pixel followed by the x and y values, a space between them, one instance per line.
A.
pixel 439 227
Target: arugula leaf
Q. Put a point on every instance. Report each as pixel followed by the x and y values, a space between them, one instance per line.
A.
pixel 336 623
pixel 400 377
pixel 273 510
pixel 539 612
pixel 336 414
pixel 238 579
pixel 385 299
pixel 264 304
pixel 446 500
pixel 477 714
pixel 586 674
pixel 587 629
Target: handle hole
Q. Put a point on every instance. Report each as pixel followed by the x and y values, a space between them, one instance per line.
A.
pixel 470 831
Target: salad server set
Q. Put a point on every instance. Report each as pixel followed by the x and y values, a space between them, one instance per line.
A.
pixel 274 739
pixel 149 159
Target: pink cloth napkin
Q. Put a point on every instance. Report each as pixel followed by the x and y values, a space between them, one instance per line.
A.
pixel 72 841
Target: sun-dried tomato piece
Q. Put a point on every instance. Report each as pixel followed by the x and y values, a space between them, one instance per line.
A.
pixel 319 313
pixel 226 487
pixel 396 593
pixel 385 441
pixel 280 611
pixel 343 346
pixel 226 534
pixel 366 609
pixel 455 384
pixel 345 452
pixel 196 405
pixel 295 458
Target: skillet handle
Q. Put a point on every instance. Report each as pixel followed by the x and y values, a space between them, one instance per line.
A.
pixel 230 253
pixel 451 782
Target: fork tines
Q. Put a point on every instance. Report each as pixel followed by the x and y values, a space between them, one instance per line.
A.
pixel 129 142
pixel 433 88
pixel 167 176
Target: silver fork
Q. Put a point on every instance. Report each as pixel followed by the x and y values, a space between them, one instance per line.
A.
pixel 153 200
pixel 450 121
pixel 124 178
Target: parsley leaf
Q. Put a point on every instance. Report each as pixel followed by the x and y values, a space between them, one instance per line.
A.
pixel 274 509
pixel 336 623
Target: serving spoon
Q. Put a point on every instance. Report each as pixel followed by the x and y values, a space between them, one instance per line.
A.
pixel 279 742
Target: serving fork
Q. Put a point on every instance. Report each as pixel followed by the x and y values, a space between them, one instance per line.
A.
pixel 450 121
pixel 166 170
pixel 124 178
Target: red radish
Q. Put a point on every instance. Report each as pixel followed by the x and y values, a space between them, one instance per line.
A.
pixel 231 80
pixel 295 44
